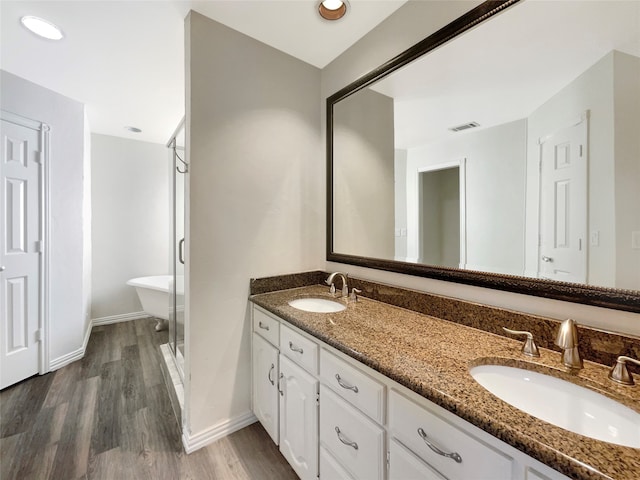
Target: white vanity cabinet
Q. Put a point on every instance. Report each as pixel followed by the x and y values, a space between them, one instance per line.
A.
pixel 285 391
pixel 298 418
pixel 265 368
pixel 335 418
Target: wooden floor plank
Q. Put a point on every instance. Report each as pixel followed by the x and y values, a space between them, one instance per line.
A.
pixel 10 454
pixel 24 401
pixel 133 389
pixel 72 454
pixel 106 429
pixel 148 342
pixel 108 416
pixel 62 385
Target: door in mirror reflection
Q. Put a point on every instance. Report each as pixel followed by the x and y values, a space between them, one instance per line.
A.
pixel 563 205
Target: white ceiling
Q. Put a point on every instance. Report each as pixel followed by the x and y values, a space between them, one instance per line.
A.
pixel 505 69
pixel 125 59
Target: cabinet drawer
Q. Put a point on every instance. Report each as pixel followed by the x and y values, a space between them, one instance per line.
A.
pixel 330 469
pixel 265 326
pixel 353 439
pixel 404 465
pixel 299 349
pixel 414 426
pixel 353 385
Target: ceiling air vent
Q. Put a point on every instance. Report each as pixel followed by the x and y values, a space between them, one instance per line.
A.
pixel 466 126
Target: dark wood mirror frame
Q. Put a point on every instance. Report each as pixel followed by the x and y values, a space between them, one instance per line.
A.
pixel 626 300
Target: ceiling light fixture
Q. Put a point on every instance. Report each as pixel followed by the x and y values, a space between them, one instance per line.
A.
pixel 132 129
pixel 332 9
pixel 41 27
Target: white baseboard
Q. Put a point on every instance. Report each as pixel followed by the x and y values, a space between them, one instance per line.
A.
pixel 193 442
pixel 124 317
pixel 64 360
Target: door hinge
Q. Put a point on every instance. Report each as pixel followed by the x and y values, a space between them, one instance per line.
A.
pixel 317 398
pixel 39 157
pixel 39 335
pixel 388 459
pixel 39 246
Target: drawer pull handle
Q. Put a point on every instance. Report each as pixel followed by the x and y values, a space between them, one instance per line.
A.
pixel 294 348
pixel 263 326
pixel 454 456
pixel 346 385
pixel 345 441
pixel 280 378
pixel 269 375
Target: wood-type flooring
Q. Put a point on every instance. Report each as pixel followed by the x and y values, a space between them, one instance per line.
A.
pixel 108 416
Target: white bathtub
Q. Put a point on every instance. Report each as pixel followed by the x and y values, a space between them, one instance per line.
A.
pixel 154 295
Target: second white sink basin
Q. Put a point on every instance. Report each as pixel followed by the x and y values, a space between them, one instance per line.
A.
pixel 317 305
pixel 562 403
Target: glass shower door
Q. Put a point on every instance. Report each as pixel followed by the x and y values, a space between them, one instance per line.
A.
pixel 179 177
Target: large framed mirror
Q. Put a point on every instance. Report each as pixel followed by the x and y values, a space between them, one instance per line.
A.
pixel 502 151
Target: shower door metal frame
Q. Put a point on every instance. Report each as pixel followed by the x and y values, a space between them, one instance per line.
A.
pixel 182 169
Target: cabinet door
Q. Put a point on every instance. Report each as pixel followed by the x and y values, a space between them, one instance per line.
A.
pixel 265 387
pixel 404 465
pixel 298 419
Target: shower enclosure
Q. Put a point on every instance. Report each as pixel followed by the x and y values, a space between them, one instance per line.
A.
pixel 178 176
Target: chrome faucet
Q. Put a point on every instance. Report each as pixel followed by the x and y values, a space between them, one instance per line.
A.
pixel 345 288
pixel 567 339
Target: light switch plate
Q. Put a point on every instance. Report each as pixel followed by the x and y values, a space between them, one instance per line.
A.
pixel 635 240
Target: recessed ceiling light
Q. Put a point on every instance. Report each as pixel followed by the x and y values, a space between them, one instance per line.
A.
pixel 41 27
pixel 332 9
pixel 132 129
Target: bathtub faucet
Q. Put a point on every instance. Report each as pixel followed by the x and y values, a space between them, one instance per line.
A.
pixel 345 288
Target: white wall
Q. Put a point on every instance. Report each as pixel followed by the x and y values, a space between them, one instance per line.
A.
pixel 364 156
pixel 255 200
pixel 495 181
pixel 627 168
pixel 409 24
pixel 592 91
pixel 400 207
pixel 69 227
pixel 86 215
pixel 130 220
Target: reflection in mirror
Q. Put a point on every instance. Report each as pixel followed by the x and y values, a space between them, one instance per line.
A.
pixel 512 149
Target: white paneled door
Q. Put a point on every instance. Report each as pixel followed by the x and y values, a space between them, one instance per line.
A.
pixel 563 205
pixel 21 186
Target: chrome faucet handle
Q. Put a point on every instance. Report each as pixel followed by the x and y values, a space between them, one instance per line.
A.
pixel 354 297
pixel 567 340
pixel 332 289
pixel 619 372
pixel 529 347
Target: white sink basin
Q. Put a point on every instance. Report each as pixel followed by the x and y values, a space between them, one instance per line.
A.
pixel 317 305
pixel 562 403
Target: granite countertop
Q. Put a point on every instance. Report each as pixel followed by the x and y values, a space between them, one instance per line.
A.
pixel 432 357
